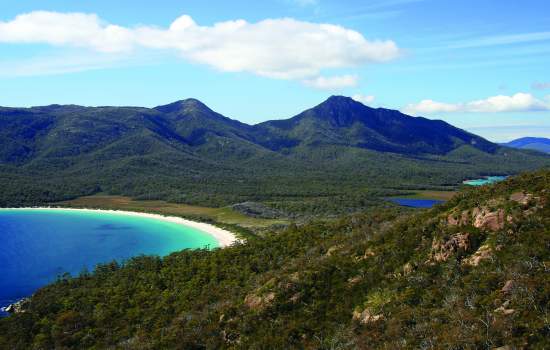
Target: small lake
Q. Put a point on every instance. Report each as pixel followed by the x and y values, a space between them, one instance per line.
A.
pixel 484 181
pixel 415 203
pixel 39 245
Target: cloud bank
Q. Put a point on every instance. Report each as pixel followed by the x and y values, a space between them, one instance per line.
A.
pixel 282 48
pixel 364 99
pixel 520 102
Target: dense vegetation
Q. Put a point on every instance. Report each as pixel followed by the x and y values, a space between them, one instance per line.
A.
pixel 334 158
pixel 469 274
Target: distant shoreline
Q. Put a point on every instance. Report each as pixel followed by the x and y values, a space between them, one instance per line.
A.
pixel 225 238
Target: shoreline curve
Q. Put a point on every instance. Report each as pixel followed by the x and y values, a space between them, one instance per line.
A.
pixel 225 238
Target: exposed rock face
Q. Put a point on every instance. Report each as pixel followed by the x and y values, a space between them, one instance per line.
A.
pixel 442 250
pixel 259 302
pixel 354 280
pixel 18 307
pixel 486 219
pixel 508 287
pixel 483 253
pixel 503 309
pixel 483 218
pixel 366 317
pixel 521 197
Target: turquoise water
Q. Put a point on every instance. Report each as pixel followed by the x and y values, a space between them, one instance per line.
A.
pixel 415 203
pixel 484 181
pixel 38 245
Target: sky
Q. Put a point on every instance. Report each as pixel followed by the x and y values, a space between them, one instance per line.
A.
pixel 481 65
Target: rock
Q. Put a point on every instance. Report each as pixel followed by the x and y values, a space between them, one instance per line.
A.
pixel 491 220
pixel 18 307
pixel 366 317
pixel 295 298
pixel 333 250
pixel 505 347
pixel 259 302
pixel 508 287
pixel 354 280
pixel 407 269
pixel 441 251
pixel 521 197
pixel 483 253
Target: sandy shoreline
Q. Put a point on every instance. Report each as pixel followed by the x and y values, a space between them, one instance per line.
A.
pixel 225 238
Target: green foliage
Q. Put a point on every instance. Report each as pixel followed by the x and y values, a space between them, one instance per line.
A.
pixel 337 158
pixel 300 288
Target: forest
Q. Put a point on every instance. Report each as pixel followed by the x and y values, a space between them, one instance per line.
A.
pixel 471 273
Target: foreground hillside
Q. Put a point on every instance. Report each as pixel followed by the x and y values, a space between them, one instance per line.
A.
pixel 469 274
pixel 335 157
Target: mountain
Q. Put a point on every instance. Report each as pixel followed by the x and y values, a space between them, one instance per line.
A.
pixel 534 143
pixel 343 121
pixel 333 157
pixel 469 274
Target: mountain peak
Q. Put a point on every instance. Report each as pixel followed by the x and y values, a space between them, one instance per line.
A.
pixel 190 104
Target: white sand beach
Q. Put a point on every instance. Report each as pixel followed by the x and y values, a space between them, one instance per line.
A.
pixel 225 238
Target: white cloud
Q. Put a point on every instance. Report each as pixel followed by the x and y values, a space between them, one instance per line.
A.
pixel 332 83
pixel 520 102
pixel 277 48
pixel 364 99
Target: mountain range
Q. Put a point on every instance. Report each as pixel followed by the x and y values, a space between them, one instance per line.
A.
pixel 540 144
pixel 186 152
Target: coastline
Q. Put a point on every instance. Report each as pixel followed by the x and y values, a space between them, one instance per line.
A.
pixel 225 238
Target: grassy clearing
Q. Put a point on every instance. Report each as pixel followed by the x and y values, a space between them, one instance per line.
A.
pixel 224 215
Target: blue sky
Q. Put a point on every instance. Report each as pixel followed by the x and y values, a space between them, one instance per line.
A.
pixel 479 64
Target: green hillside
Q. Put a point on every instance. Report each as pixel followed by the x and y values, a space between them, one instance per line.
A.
pixel 338 157
pixel 469 274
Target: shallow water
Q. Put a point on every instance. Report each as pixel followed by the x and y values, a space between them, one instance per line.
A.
pixel 36 246
pixel 484 181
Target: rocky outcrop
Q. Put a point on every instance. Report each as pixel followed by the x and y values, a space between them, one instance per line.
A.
pixel 18 307
pixel 508 287
pixel 521 197
pixel 483 253
pixel 480 217
pixel 504 309
pixel 443 250
pixel 366 317
pixel 484 218
pixel 259 302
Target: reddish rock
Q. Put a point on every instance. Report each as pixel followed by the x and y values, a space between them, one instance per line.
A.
pixel 490 220
pixel 366 317
pixel 508 287
pixel 259 302
pixel 441 251
pixel 521 197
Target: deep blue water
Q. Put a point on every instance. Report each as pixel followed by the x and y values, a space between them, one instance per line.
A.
pixel 37 246
pixel 415 203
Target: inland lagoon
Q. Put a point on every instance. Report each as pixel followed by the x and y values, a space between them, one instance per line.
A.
pixel 484 180
pixel 416 203
pixel 38 245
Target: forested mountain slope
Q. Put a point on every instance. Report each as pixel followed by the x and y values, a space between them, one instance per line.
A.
pixel 469 274
pixel 185 152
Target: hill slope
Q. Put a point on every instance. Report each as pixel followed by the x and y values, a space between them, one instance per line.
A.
pixel 329 158
pixel 470 274
pixel 534 143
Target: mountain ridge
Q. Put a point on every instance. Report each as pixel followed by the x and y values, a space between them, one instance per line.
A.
pixel 186 152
